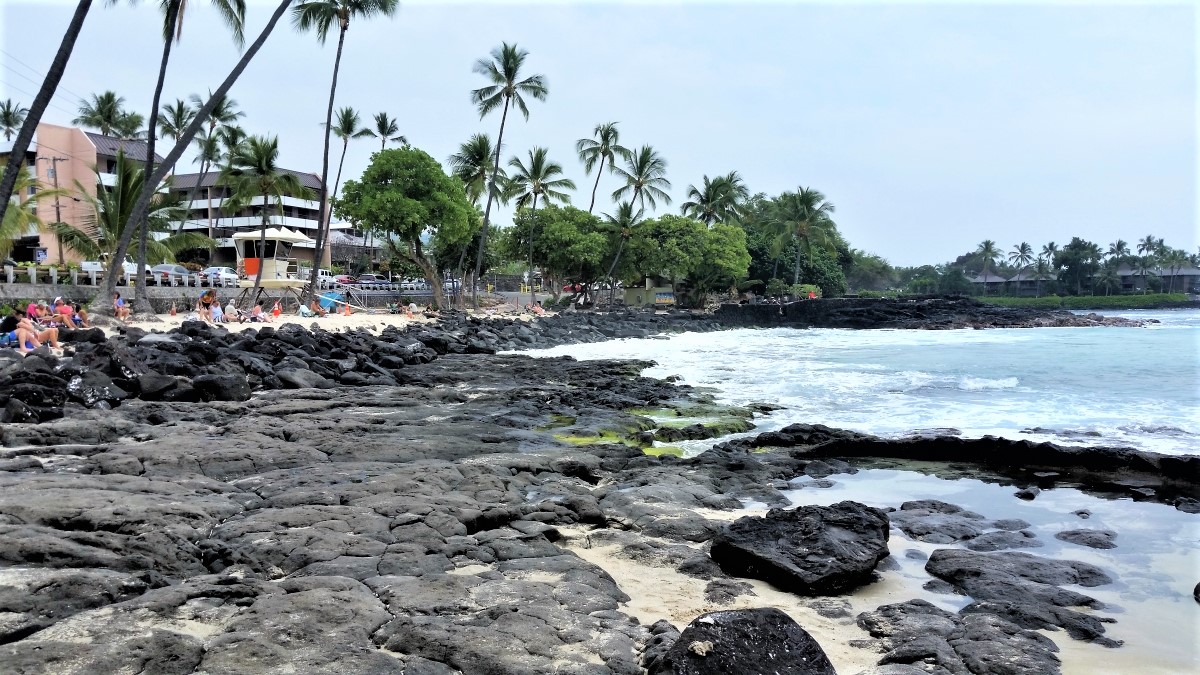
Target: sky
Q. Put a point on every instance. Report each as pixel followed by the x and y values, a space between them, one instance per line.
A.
pixel 930 126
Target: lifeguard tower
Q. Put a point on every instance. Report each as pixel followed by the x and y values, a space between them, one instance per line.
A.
pixel 279 270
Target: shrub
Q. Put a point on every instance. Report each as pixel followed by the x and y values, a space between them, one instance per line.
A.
pixel 1084 302
pixel 776 288
pixel 802 291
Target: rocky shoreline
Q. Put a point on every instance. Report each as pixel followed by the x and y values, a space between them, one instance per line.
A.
pixel 305 501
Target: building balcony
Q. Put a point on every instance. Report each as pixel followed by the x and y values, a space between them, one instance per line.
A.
pixel 311 205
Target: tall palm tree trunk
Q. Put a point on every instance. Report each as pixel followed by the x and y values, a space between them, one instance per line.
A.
pixel 192 195
pixel 141 302
pixel 322 217
pixel 487 210
pixel 597 185
pixel 532 224
pixel 796 266
pixel 612 283
pixel 25 136
pixel 262 248
pixel 142 207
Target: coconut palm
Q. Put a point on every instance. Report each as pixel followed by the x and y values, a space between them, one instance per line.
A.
pixel 506 88
pixel 1118 250
pixel 1041 271
pixel 254 172
pixel 105 112
pixel 623 225
pixel 174 118
pixel 1021 256
pixel 1049 251
pixel 96 236
pixel 347 126
pixel 208 154
pixel 1108 276
pixel 1145 265
pixel 605 147
pixel 1174 260
pixel 142 207
pixel 224 114
pixel 19 218
pixel 645 176
pixel 33 116
pixel 472 164
pixel 718 200
pixel 539 178
pixel 988 253
pixel 386 130
pixel 1149 245
pixel 321 17
pixel 803 218
pixel 12 116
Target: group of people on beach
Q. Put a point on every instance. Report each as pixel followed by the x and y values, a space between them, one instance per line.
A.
pixel 39 325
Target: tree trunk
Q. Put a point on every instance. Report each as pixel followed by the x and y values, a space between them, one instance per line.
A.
pixel 192 196
pixel 487 210
pixel 142 207
pixel 597 185
pixel 141 303
pixel 322 219
pixel 262 247
pixel 38 107
pixel 532 225
pixel 612 283
pixel 796 266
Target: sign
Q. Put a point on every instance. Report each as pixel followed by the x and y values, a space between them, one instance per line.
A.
pixel 664 298
pixel 40 255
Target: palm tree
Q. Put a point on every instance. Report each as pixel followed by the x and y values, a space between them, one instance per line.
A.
pixel 347 126
pixel 254 172
pixel 719 200
pixel 34 115
pixel 321 16
pixel 603 148
pixel 622 225
pixel 540 178
pixel 12 116
pixel 1149 245
pixel 472 164
pixel 801 217
pixel 645 175
pixel 208 154
pixel 105 113
pixel 142 207
pixel 174 118
pixel 1049 251
pixel 1175 259
pixel 386 130
pixel 988 252
pixel 224 113
pixel 506 88
pixel 1118 250
pixel 1021 256
pixel 1041 271
pixel 20 218
pixel 96 237
pixel 1108 277
pixel 1145 264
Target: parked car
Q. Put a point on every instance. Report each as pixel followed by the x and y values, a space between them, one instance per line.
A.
pixel 344 279
pixel 370 280
pixel 414 285
pixel 168 273
pixel 219 276
pixel 573 288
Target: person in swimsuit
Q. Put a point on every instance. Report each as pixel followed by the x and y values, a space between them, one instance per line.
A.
pixel 120 309
pixel 205 304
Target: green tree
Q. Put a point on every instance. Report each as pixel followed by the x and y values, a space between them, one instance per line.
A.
pixel 254 172
pixel 506 88
pixel 802 218
pixel 718 200
pixel 869 272
pixel 20 218
pixel 105 112
pixel 1150 245
pixel 95 237
pixel 1021 256
pixel 1075 260
pixel 174 118
pixel 1174 260
pixel 622 227
pixel 1108 277
pixel 12 116
pixel 645 176
pixel 604 147
pixel 723 262
pixel 987 252
pixel 1041 271
pixel 347 126
pixel 403 196
pixel 541 177
pixel 669 246
pixel 322 16
pixel 569 244
pixel 473 164
pixel 386 129
pixel 1119 251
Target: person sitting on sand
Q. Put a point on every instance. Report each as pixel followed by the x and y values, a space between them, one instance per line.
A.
pixel 218 314
pixel 316 308
pixel 120 309
pixel 258 315
pixel 536 308
pixel 205 304
pixel 45 316
pixel 20 331
pixel 232 312
pixel 69 315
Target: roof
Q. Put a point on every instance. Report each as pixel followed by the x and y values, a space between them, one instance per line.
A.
pixel 188 181
pixel 277 234
pixel 991 279
pixel 110 145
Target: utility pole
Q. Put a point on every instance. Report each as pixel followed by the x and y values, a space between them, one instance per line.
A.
pixel 57 206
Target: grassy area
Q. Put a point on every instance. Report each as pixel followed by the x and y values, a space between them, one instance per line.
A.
pixel 1148 301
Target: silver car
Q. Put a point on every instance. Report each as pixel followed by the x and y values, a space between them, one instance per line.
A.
pixel 219 276
pixel 167 273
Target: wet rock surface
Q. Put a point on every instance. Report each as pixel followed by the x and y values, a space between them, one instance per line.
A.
pixel 743 641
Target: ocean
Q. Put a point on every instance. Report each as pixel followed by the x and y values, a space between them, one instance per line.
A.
pixel 1133 387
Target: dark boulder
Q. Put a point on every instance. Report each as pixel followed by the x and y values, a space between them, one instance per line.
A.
pixel 811 550
pixel 1089 538
pixel 744 641
pixel 222 387
pixel 95 389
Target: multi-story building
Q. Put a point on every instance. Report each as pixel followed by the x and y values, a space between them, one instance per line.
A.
pixel 63 157
pixel 209 213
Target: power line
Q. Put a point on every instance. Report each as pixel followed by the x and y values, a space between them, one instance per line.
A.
pixel 33 96
pixel 39 84
pixel 39 73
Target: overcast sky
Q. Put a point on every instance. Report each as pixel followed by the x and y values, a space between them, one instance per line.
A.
pixel 930 126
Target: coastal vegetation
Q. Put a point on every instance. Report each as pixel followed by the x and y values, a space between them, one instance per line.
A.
pixel 722 241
